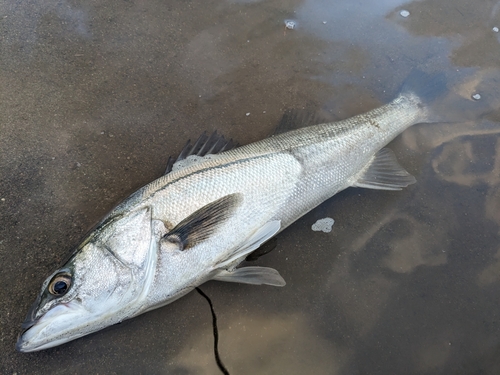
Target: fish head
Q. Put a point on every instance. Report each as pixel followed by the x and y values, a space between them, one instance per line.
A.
pixel 104 282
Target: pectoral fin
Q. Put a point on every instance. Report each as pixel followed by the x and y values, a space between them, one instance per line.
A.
pixel 252 275
pixel 384 173
pixel 201 224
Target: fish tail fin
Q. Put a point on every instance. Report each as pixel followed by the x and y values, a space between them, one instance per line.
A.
pixel 429 92
pixel 425 89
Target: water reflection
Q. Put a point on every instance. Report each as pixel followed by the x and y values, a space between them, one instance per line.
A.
pixel 491 273
pixel 475 43
pixel 406 282
pixel 270 344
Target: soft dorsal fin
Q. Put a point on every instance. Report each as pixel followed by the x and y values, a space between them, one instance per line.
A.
pixel 384 173
pixel 205 145
pixel 293 119
pixel 202 223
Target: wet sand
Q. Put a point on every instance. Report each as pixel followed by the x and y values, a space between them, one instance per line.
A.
pixel 95 96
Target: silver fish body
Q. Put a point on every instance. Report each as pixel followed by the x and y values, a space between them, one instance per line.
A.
pixel 200 221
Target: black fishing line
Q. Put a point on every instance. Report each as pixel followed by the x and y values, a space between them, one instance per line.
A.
pixel 216 334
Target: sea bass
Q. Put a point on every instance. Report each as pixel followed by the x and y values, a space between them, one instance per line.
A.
pixel 212 209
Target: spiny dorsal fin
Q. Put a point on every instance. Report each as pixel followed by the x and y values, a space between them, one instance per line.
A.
pixel 202 223
pixel 384 173
pixel 205 145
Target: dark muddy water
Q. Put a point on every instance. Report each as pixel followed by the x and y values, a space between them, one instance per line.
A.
pixel 94 97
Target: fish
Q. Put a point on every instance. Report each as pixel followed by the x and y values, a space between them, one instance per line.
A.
pixel 215 205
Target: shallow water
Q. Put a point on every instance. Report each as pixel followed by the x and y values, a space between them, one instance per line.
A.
pixel 95 96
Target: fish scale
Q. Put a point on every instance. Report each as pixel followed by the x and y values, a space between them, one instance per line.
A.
pixel 201 219
pixel 330 156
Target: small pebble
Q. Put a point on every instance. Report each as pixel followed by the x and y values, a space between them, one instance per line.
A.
pixel 476 96
pixel 324 22
pixel 495 29
pixel 404 13
pixel 248 113
pixel 290 25
pixel 323 225
pixel 3 199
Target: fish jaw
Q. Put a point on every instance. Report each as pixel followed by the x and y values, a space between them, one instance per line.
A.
pixel 58 326
pixel 66 322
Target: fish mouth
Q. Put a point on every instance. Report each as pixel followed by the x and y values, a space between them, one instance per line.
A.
pixel 42 333
pixel 25 326
pixel 22 344
pixel 29 322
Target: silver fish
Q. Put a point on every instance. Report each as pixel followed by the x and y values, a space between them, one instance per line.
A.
pixel 199 221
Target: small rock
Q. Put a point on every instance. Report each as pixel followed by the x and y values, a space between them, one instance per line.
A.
pixel 476 96
pixel 495 29
pixel 247 114
pixel 290 25
pixel 404 13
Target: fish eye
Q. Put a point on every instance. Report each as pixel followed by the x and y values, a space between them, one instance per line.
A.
pixel 60 284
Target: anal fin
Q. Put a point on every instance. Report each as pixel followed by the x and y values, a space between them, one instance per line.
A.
pixel 384 173
pixel 252 275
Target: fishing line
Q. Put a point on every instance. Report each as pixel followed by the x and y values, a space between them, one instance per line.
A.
pixel 216 334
